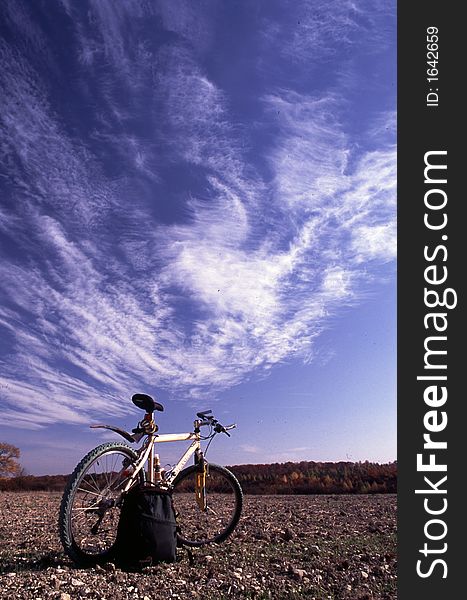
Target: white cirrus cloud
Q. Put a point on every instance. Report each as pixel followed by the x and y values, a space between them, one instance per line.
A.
pixel 104 296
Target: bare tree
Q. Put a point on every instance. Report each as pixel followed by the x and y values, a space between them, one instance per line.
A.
pixel 9 464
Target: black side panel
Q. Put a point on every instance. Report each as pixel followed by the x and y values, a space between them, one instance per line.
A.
pixel 147 530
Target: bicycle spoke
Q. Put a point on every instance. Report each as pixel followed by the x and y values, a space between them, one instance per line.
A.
pixel 222 511
pixel 108 471
pixel 96 486
pixel 90 507
pixel 104 473
pixel 114 480
pixel 90 492
pixel 118 478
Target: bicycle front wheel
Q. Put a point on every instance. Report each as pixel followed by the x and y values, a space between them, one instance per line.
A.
pixel 224 500
pixel 90 507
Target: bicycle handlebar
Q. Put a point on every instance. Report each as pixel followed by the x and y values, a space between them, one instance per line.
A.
pixel 203 415
pixel 207 419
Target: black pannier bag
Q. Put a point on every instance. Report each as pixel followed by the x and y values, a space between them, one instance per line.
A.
pixel 147 529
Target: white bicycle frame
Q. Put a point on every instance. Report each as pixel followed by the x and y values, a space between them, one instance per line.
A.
pixel 148 455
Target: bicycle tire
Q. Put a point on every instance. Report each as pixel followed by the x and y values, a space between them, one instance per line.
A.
pixel 90 493
pixel 224 506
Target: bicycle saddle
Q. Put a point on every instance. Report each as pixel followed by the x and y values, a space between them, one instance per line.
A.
pixel 146 403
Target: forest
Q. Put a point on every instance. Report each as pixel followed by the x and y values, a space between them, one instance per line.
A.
pixel 309 477
pixel 304 477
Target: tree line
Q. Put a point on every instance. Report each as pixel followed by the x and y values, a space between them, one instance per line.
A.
pixel 306 477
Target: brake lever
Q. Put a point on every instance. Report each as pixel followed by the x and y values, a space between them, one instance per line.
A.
pixel 220 429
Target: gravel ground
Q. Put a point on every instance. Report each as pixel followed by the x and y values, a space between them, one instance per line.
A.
pixel 315 547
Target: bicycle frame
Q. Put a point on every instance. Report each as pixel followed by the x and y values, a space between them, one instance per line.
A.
pixel 147 454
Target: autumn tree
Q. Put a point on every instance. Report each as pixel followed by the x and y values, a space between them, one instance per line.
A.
pixel 9 464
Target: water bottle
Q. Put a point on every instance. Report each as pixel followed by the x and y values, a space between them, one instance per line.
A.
pixel 157 468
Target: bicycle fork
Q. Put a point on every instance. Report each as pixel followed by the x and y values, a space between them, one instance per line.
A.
pixel 200 484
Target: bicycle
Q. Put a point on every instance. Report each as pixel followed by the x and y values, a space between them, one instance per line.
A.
pixel 207 497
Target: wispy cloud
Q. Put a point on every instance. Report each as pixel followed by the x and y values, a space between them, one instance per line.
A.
pixel 101 294
pixel 250 449
pixel 313 33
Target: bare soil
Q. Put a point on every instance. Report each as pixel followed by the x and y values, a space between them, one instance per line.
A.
pixel 316 547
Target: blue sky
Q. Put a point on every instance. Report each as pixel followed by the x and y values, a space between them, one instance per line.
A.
pixel 198 202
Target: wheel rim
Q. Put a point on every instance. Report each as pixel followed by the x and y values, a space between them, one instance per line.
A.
pixel 213 524
pixel 95 506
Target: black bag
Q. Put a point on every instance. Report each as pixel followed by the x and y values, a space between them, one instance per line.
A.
pixel 147 530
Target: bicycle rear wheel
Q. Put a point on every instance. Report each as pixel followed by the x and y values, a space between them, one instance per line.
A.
pixel 90 507
pixel 224 506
